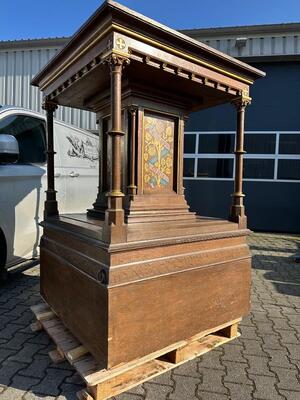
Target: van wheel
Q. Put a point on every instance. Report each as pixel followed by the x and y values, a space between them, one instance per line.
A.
pixel 3 254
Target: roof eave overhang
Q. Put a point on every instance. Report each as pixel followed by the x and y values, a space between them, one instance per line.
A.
pixel 268 29
pixel 118 17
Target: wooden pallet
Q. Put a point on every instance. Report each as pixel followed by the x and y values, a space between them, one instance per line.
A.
pixel 103 384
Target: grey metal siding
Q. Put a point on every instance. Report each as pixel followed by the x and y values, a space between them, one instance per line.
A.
pixel 17 68
pixel 252 41
pixel 259 45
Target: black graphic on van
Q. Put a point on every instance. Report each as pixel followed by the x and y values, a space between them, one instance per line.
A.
pixel 82 148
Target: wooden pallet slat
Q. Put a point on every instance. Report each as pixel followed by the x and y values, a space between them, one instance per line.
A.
pixel 230 331
pixel 101 383
pixel 37 308
pixel 129 379
pixel 68 345
pixel 56 356
pixel 55 326
pixel 45 315
pixel 87 366
pixel 36 326
pixel 76 353
pixel 103 374
pixel 47 324
pixel 84 395
pixel 197 348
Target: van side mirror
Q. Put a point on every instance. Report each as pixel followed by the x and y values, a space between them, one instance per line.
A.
pixel 9 149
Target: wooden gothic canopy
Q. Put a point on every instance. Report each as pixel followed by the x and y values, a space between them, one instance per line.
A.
pixel 119 63
pixel 77 76
pixel 141 272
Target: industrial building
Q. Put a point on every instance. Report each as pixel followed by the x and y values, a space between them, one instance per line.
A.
pixel 20 60
pixel 272 140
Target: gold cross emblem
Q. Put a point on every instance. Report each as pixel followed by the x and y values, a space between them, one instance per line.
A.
pixel 121 43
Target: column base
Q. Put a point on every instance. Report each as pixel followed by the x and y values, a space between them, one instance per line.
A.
pixel 132 190
pixel 237 214
pixel 114 216
pixel 157 208
pixel 51 209
pixel 96 213
pixel 99 207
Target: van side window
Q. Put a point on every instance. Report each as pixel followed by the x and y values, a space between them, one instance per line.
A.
pixel 30 134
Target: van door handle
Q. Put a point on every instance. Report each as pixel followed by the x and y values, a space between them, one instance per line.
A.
pixel 73 174
pixel 57 175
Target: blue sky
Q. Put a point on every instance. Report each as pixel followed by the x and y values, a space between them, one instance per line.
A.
pixel 21 19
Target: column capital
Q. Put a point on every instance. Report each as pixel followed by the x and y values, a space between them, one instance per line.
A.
pixel 49 105
pixel 114 59
pixel 185 119
pixel 241 102
pixel 133 109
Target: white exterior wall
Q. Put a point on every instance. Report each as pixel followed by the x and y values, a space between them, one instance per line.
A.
pixel 17 68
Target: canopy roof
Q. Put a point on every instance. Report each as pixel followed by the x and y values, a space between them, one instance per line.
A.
pixel 159 57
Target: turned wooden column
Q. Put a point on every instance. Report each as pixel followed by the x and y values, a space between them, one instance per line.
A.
pixel 132 188
pixel 181 129
pixel 51 208
pixel 100 169
pixel 100 205
pixel 115 211
pixel 237 212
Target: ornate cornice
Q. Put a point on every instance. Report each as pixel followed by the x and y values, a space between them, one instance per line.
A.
pixel 118 51
pixel 78 75
pixel 111 57
pixel 185 73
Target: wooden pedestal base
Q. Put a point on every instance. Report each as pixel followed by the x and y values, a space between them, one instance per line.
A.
pixel 104 383
pixel 165 284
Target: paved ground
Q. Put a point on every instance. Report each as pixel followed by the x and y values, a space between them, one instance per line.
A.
pixel 263 364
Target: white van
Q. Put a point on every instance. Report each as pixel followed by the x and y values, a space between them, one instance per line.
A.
pixel 23 183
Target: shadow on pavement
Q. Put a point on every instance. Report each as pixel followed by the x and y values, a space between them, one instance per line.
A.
pixel 25 366
pixel 279 265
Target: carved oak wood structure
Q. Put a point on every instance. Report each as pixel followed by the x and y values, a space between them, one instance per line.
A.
pixel 139 272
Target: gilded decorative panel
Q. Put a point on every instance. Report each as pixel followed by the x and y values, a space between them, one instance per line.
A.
pixel 158 153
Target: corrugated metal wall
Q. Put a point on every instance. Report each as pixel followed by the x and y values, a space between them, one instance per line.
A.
pixel 17 68
pixel 21 60
pixel 256 46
